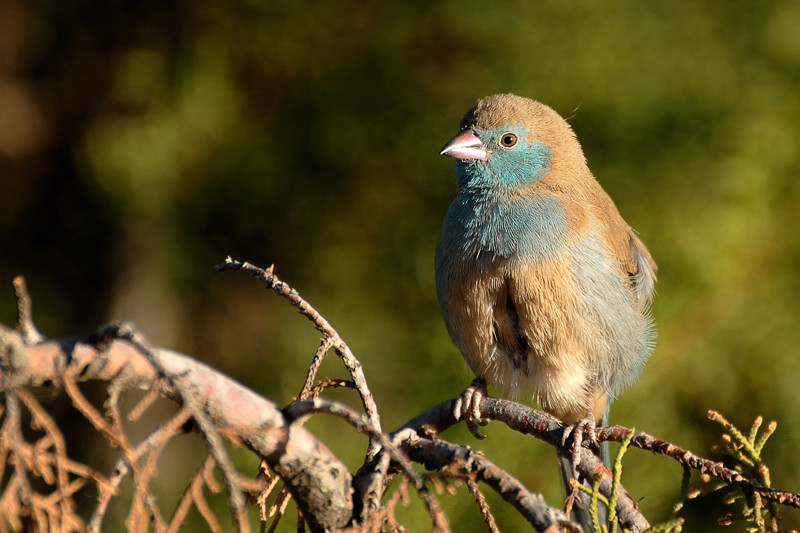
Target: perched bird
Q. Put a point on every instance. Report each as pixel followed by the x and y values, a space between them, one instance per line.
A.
pixel 543 286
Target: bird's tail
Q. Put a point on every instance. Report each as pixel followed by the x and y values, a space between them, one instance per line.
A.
pixel 580 507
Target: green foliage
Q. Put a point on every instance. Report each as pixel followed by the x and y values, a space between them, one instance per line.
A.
pixel 612 526
pixel 745 454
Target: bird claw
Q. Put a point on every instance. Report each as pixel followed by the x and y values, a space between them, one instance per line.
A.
pixel 582 430
pixel 467 406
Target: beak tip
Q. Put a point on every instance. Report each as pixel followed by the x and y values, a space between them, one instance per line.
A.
pixel 465 145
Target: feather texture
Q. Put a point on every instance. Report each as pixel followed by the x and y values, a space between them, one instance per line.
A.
pixel 543 286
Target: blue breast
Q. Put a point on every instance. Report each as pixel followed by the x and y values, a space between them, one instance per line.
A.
pixel 494 226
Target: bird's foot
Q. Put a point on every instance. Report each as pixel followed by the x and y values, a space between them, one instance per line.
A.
pixel 467 406
pixel 580 431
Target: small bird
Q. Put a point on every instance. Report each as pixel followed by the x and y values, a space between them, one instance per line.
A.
pixel 543 286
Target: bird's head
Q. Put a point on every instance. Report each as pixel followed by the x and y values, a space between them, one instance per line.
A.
pixel 507 142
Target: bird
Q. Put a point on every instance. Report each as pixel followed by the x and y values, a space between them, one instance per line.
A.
pixel 543 286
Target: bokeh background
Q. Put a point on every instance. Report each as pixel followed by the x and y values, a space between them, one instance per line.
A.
pixel 143 141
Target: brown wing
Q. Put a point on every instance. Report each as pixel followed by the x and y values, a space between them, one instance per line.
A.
pixel 641 269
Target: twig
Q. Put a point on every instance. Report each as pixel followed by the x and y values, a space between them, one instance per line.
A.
pixel 436 454
pixel 145 402
pixel 300 409
pixel 261 499
pixel 369 478
pixel 14 434
pixel 43 420
pixel 142 496
pixel 319 481
pixel 616 479
pixel 352 364
pixel 541 425
pixel 154 440
pixel 329 384
pixel 194 494
pixel 25 323
pixel 278 508
pixel 325 345
pixel 190 399
pixel 706 466
pixel 483 505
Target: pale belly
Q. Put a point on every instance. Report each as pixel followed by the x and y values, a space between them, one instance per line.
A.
pixel 560 331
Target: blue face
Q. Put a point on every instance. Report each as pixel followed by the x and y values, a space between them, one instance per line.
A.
pixel 489 216
pixel 514 161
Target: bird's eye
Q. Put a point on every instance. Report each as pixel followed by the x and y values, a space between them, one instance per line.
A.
pixel 508 140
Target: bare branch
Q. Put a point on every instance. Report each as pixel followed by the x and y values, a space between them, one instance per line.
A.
pixel 370 479
pixel 541 425
pixel 319 482
pixel 351 363
pixel 299 409
pixel 437 454
pixel 24 317
pixel 324 346
pixel 194 495
pixel 188 395
pixel 483 505
pixel 153 442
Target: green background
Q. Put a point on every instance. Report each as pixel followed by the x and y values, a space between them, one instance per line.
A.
pixel 142 142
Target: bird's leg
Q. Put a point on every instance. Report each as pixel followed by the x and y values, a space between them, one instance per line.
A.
pixel 579 431
pixel 467 406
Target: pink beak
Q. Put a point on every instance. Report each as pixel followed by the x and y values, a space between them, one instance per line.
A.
pixel 465 145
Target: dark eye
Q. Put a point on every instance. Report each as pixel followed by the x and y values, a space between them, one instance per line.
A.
pixel 508 140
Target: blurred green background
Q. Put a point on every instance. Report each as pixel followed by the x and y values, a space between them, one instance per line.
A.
pixel 141 142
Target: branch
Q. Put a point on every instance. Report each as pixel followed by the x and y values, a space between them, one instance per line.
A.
pixel 317 479
pixel 541 425
pixel 439 454
pixel 706 466
pixel 25 323
pixel 371 476
pixel 332 338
